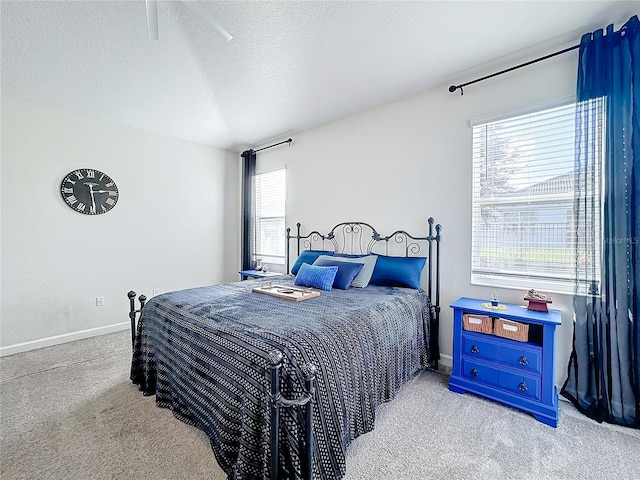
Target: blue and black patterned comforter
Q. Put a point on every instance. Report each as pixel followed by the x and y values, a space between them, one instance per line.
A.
pixel 204 353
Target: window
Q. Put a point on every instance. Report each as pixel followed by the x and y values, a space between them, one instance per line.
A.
pixel 523 230
pixel 269 218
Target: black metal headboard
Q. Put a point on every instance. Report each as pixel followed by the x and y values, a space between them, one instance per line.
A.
pixel 360 238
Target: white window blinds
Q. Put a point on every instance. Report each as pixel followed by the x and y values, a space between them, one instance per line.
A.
pixel 523 231
pixel 269 227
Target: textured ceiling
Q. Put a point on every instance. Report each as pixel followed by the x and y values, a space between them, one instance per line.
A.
pixel 290 66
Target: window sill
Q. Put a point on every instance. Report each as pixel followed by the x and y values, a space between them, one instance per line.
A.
pixel 523 284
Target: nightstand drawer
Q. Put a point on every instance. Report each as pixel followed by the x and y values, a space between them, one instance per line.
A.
pixel 529 359
pixel 473 346
pixel 524 385
pixel 522 358
pixel 478 372
pixel 518 384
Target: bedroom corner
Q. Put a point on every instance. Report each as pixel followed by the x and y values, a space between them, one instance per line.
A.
pixel 174 225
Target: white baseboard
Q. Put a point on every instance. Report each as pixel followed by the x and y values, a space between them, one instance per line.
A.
pixel 58 339
pixel 446 360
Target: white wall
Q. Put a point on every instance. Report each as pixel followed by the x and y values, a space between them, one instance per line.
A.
pixel 175 225
pixel 395 166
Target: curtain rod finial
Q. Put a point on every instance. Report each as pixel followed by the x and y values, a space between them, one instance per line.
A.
pixel 452 88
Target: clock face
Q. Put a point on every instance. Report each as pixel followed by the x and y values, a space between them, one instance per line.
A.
pixel 89 191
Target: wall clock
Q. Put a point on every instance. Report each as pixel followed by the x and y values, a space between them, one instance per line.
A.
pixel 89 191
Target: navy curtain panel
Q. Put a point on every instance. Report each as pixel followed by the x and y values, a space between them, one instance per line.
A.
pixel 248 174
pixel 604 367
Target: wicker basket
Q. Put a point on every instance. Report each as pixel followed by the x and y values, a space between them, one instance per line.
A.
pixel 510 329
pixel 477 323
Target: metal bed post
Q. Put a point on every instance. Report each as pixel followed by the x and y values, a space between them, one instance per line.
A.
pixel 435 345
pixel 298 237
pixel 277 401
pixel 309 371
pixel 438 237
pixel 132 315
pixel 430 277
pixel 133 312
pixel 286 248
pixel 275 360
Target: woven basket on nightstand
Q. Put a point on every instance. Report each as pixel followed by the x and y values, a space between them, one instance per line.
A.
pixel 513 330
pixel 477 323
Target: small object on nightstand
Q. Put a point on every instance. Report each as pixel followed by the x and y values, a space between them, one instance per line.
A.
pixel 495 304
pixel 253 274
pixel 537 301
pixel 494 299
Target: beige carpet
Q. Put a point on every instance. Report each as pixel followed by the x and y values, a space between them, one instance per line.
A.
pixel 70 412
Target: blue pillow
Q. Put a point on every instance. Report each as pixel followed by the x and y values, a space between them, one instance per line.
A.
pixel 362 279
pixel 316 277
pixel 398 271
pixel 347 271
pixel 308 256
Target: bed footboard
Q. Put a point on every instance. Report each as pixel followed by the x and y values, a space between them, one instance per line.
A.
pixel 275 360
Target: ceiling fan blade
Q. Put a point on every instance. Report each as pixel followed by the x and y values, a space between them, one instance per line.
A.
pixel 197 7
pixel 152 18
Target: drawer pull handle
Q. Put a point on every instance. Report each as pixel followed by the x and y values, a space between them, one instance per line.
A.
pixel 522 387
pixel 474 349
pixel 474 372
pixel 523 361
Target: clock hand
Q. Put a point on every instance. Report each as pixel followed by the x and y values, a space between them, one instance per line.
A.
pixel 91 192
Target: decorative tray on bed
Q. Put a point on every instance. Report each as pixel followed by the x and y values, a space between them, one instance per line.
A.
pixel 289 293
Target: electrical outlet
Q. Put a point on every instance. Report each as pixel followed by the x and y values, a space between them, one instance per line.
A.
pixel 99 301
pixel 156 291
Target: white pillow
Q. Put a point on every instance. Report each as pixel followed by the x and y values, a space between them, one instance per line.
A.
pixel 368 262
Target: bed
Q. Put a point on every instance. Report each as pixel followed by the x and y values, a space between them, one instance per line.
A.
pixel 282 387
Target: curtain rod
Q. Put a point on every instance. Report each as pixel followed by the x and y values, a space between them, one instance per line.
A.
pixel 289 140
pixel 453 88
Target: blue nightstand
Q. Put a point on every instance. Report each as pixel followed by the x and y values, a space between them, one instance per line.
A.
pixel 251 274
pixel 517 373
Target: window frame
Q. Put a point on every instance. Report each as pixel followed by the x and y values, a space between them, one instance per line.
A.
pixel 523 279
pixel 262 258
